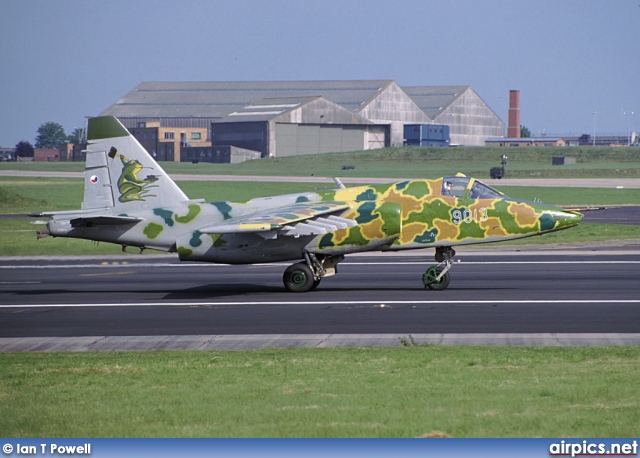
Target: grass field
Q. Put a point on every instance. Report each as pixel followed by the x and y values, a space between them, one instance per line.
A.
pixel 352 392
pixel 415 162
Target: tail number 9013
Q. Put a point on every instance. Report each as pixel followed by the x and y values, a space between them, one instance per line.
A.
pixel 469 216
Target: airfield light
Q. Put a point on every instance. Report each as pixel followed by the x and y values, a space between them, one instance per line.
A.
pixel 628 114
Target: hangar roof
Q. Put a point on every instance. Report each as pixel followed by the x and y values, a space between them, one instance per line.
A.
pixel 278 108
pixel 218 99
pixel 266 109
pixel 434 99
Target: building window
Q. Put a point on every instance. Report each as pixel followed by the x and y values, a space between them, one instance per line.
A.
pixel 196 136
pixel 168 135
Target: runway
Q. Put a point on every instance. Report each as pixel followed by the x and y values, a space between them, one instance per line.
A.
pixel 575 296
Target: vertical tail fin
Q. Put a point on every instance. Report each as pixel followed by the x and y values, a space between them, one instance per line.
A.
pixel 120 173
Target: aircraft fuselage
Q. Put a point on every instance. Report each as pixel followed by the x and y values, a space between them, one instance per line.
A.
pixel 398 216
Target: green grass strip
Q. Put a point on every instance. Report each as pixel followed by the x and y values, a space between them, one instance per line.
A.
pixel 351 392
pixel 413 162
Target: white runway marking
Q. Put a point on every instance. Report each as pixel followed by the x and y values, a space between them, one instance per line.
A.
pixel 279 264
pixel 456 262
pixel 20 282
pixel 372 303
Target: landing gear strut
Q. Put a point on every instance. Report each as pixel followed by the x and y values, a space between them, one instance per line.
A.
pixel 437 277
pixel 306 276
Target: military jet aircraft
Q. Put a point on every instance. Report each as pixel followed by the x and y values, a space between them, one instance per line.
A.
pixel 130 200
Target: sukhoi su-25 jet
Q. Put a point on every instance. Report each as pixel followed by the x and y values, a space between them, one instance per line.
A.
pixel 130 200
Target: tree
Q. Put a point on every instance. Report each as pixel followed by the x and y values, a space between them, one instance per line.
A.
pixel 76 137
pixel 50 135
pixel 24 149
pixel 524 132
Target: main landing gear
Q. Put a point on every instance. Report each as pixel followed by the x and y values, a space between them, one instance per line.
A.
pixel 306 276
pixel 437 277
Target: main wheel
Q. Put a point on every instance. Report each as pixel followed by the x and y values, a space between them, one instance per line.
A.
pixel 298 278
pixel 429 279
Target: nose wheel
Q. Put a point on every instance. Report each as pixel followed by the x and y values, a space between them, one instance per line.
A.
pixel 437 277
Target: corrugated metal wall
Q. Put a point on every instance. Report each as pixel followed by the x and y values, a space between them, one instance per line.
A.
pixel 297 139
pixel 471 121
pixel 395 108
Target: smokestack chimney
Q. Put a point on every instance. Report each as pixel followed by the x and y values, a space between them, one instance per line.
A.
pixel 513 129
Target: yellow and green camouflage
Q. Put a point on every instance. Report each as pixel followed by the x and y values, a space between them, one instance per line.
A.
pixel 417 214
pixel 398 216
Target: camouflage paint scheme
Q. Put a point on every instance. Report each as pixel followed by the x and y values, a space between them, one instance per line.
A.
pixel 404 215
pixel 398 216
pixel 415 214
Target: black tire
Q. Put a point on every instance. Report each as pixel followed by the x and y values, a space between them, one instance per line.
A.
pixel 442 283
pixel 298 278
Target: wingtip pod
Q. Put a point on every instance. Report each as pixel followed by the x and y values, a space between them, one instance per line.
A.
pixel 103 127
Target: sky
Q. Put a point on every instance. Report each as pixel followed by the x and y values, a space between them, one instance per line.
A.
pixel 575 62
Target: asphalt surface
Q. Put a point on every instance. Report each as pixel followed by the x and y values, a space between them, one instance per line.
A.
pixel 618 215
pixel 560 296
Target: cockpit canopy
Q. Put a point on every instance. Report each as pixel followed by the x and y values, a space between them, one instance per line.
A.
pixel 457 187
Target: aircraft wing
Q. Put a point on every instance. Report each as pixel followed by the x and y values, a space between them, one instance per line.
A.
pixel 305 218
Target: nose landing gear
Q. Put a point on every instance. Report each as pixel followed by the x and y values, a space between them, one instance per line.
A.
pixel 437 277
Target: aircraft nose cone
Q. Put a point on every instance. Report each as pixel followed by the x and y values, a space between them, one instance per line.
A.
pixel 566 219
pixel 573 218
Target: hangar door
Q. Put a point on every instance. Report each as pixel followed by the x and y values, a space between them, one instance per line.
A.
pixel 296 139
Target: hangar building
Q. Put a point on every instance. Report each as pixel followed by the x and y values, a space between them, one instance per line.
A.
pixel 280 118
pixel 469 118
